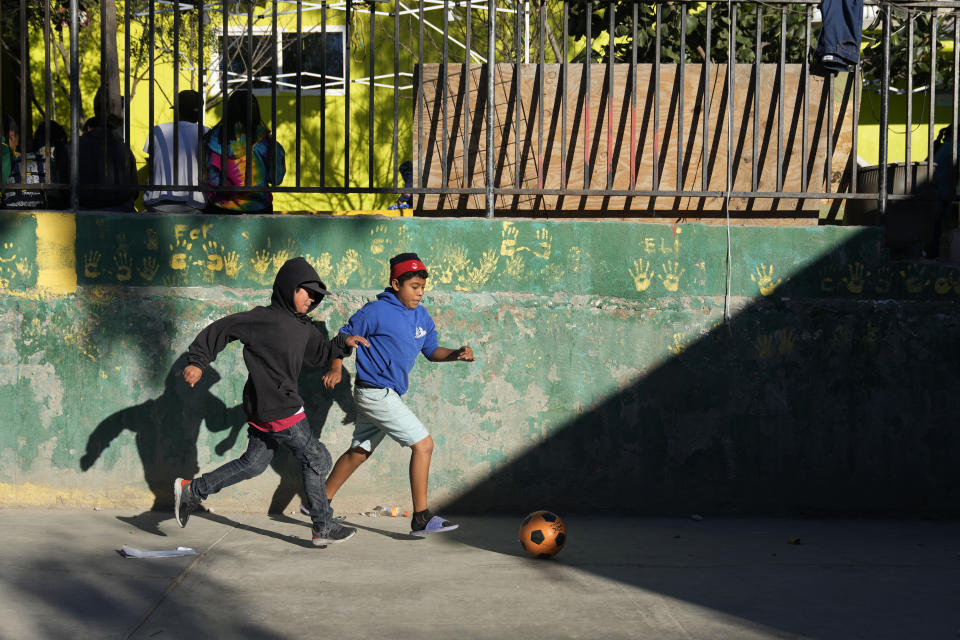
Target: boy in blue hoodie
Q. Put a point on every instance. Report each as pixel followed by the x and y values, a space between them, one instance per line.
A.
pixel 277 341
pixel 397 328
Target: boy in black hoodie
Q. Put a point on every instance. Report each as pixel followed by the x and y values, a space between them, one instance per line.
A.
pixel 277 341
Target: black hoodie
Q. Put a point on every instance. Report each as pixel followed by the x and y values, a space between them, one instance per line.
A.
pixel 277 342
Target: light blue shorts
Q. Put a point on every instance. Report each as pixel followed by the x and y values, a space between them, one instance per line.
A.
pixel 381 412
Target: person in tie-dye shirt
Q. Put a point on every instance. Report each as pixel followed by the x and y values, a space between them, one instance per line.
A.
pixel 229 169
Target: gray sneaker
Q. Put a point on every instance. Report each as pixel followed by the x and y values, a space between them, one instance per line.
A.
pixel 336 533
pixel 183 502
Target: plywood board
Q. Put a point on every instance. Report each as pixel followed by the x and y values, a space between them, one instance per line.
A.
pixel 588 141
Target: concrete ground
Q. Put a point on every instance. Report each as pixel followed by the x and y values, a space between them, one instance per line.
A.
pixel 259 577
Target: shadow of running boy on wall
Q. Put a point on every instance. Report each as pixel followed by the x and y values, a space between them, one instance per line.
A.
pixel 166 429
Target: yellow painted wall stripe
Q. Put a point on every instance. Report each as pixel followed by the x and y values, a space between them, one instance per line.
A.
pixel 56 257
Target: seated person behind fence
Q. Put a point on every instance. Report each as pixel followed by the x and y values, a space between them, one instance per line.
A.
pixel 190 105
pixel 265 169
pixel 26 169
pixel 106 160
pixel 34 171
pixel 58 154
pixel 8 148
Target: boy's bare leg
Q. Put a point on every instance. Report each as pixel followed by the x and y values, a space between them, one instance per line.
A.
pixel 344 468
pixel 420 455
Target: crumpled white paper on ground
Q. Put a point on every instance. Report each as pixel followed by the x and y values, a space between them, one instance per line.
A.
pixel 130 552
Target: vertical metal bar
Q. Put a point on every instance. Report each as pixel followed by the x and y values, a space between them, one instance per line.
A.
pixel 248 177
pixel 47 94
pixel 633 102
pixel 74 103
pixel 932 92
pixel 656 99
pixel 854 129
pixel 610 56
pixel 104 97
pixel 908 132
pixel 781 65
pixel 126 66
pixel 731 92
pixel 396 91
pixel 467 175
pixel 491 68
pixel 541 72
pixel 564 67
pixel 804 152
pixel 587 92
pixel 299 97
pixel 224 88
pixel 516 102
pixel 954 116
pixel 201 89
pixel 444 177
pixel 24 78
pixel 884 108
pixel 151 26
pixel 756 99
pixel 705 160
pixel 370 108
pixel 828 162
pixel 176 92
pixel 346 94
pixel 277 44
pixel 323 93
pixel 421 102
pixel 681 69
pixel 526 33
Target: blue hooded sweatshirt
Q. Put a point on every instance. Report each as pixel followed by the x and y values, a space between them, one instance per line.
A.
pixel 396 335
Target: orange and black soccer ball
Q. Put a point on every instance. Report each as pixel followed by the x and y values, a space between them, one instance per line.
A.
pixel 542 534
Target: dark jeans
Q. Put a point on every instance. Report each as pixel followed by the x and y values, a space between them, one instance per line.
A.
pixel 839 33
pixel 314 460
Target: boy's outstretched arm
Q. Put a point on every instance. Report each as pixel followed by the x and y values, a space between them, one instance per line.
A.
pixel 443 354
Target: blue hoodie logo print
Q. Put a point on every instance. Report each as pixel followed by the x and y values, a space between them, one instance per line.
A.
pixel 420 333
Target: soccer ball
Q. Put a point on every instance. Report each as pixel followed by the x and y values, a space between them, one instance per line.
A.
pixel 542 534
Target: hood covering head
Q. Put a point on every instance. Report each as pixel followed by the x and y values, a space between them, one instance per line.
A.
pixel 295 273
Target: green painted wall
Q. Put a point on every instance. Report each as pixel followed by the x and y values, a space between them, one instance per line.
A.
pixel 607 376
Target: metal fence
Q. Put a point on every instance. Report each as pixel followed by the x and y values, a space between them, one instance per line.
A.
pixel 289 51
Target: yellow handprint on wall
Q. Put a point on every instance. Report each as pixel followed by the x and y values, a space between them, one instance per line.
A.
pixel 379 242
pixel 914 278
pixel 124 266
pixel 232 265
pixel 24 269
pixel 347 267
pixel 508 244
pixel 91 264
pixel 671 275
pixel 260 262
pixel 787 338
pixel 679 344
pixel 320 264
pixel 764 279
pixel 544 244
pixel 764 346
pixel 855 279
pixel 513 268
pixel 642 274
pixel 214 256
pixel 148 269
